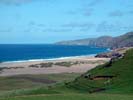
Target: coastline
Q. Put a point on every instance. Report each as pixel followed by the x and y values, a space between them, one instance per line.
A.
pixel 78 64
pixel 50 59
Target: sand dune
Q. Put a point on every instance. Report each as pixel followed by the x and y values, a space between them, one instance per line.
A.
pixel 84 64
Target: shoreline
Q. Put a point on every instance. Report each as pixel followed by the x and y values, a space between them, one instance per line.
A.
pixel 66 65
pixel 49 59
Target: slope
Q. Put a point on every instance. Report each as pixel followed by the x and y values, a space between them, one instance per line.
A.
pixel 116 77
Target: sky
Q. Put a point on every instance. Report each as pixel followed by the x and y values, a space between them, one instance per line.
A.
pixel 49 21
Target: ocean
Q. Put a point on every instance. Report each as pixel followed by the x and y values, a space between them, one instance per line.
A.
pixel 33 52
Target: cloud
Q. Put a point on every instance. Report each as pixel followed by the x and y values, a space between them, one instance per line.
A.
pixel 57 30
pixel 14 2
pixel 6 30
pixel 94 2
pixel 113 27
pixel 85 29
pixel 88 11
pixel 131 12
pixel 19 2
pixel 119 13
pixel 127 3
pixel 78 25
pixel 85 12
pixel 27 30
pixel 72 12
pixel 41 25
pixel 31 23
pixel 116 13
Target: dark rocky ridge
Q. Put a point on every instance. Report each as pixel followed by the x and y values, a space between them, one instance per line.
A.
pixel 125 40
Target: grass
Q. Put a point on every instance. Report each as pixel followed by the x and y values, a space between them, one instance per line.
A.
pixel 73 96
pixel 33 81
pixel 64 64
pixel 41 65
pixel 122 69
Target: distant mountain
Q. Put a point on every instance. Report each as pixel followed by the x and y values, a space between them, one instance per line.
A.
pixel 125 40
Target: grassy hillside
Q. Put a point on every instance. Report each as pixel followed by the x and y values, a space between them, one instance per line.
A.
pixel 112 78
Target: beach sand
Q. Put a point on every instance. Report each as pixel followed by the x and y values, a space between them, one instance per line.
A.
pixel 20 68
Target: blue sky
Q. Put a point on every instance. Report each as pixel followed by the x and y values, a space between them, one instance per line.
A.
pixel 49 21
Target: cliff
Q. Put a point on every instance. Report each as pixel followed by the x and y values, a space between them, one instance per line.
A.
pixel 125 40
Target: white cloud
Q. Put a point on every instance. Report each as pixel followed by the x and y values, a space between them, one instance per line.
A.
pixel 14 2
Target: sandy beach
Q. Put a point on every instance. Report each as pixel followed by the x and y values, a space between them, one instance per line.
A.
pixel 66 65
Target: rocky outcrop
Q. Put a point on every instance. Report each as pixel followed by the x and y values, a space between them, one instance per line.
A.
pixel 109 55
pixel 117 53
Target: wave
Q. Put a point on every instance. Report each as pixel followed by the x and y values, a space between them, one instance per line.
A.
pixel 49 59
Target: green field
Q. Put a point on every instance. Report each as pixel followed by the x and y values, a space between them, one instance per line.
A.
pixel 74 97
pixel 33 81
pixel 106 82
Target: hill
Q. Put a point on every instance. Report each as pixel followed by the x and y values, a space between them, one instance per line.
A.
pixel 115 77
pixel 125 40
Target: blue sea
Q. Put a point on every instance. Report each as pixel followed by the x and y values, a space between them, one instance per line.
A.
pixel 32 52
